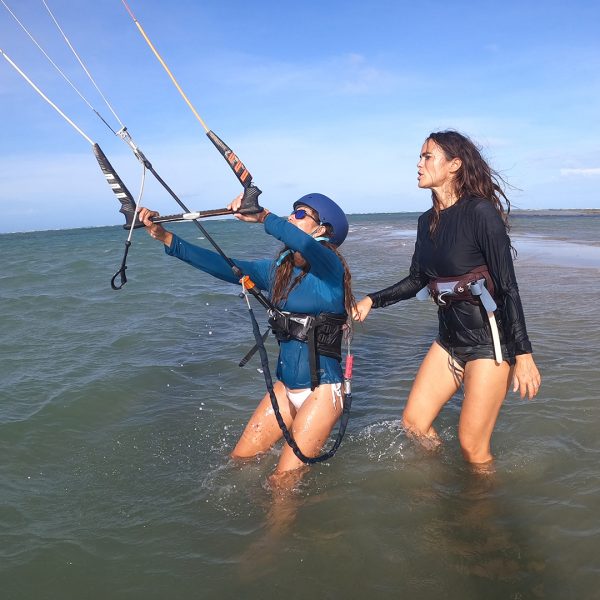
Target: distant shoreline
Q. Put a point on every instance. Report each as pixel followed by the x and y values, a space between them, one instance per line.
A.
pixel 549 212
pixel 534 212
pixel 515 212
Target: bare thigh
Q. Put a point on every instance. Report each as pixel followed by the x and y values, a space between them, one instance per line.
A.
pixel 436 382
pixel 263 430
pixel 311 427
pixel 485 384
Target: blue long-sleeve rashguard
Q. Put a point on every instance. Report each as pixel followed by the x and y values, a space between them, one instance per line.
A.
pixel 320 291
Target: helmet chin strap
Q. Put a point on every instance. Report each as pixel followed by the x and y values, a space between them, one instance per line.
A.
pixel 319 226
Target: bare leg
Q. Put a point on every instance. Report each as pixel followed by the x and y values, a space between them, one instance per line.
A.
pixel 263 430
pixel 310 429
pixel 434 385
pixel 486 384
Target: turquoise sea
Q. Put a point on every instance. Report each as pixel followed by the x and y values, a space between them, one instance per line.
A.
pixel 118 411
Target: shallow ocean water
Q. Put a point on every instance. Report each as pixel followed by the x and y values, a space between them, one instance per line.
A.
pixel 118 410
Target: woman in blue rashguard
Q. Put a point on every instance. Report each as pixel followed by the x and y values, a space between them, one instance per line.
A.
pixel 308 277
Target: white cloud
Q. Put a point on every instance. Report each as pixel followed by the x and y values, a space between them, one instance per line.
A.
pixel 348 74
pixel 589 172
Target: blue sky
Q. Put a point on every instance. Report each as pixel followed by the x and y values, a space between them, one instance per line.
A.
pixel 327 96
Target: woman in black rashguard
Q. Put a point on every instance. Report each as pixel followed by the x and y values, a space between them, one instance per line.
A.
pixel 463 257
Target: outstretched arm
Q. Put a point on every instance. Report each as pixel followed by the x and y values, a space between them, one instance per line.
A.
pixel 402 290
pixel 203 259
pixel 324 263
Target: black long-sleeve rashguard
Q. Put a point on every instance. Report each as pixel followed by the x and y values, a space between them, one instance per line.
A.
pixel 470 233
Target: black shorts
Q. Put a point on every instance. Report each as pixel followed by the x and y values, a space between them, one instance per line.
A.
pixel 463 354
pixel 465 334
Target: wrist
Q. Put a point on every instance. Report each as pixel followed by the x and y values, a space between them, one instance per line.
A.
pixel 263 215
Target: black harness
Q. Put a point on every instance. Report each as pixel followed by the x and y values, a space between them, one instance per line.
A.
pixel 445 290
pixel 323 334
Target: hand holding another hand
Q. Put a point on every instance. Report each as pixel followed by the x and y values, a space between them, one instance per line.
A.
pixel 363 308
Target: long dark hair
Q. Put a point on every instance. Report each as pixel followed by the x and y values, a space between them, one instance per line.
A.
pixel 283 283
pixel 475 177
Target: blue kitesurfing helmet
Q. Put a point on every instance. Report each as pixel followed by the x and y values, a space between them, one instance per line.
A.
pixel 329 214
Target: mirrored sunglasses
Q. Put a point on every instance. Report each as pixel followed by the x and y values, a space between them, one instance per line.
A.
pixel 300 214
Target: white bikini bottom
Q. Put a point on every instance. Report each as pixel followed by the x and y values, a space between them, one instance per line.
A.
pixel 298 397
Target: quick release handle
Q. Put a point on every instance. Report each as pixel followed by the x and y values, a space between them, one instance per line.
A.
pixel 348 376
pixel 349 366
